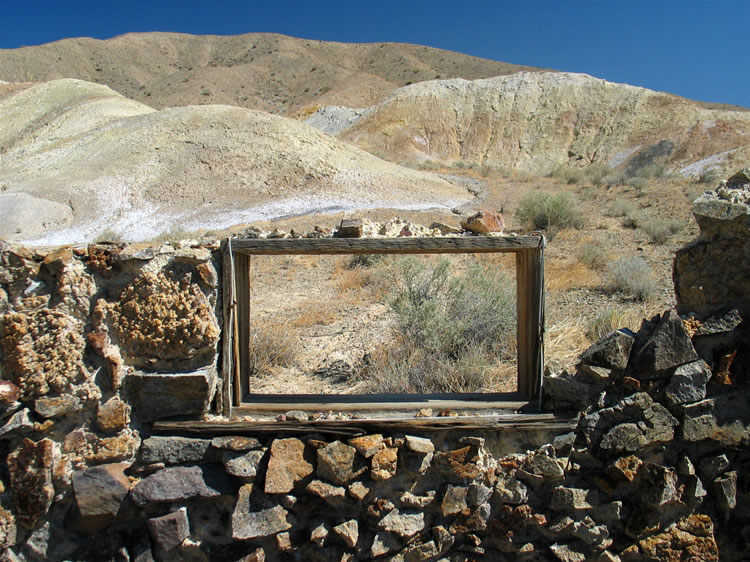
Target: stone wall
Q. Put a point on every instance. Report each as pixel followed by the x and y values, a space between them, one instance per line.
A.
pixel 97 343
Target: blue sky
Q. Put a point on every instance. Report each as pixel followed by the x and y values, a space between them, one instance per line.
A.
pixel 695 48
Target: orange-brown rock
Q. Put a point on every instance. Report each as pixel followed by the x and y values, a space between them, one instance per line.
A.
pixel 113 415
pixel 484 222
pixel 286 466
pixel 691 539
pixel 43 351
pixel 384 464
pixel 159 320
pixel 30 468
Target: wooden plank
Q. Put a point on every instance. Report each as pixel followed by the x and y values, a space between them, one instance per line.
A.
pixel 280 403
pixel 514 422
pixel 410 245
pixel 530 320
pixel 242 322
pixel 224 399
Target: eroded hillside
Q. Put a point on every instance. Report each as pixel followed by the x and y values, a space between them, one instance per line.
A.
pixel 79 159
pixel 536 121
pixel 266 71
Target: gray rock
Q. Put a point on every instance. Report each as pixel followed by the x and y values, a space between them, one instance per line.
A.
pixel 608 513
pixel 417 502
pixel 685 466
pixel 724 420
pixel 159 396
pixel 725 492
pixel 646 422
pixel 694 490
pixel 667 347
pixel 511 491
pixel 338 463
pixel 348 531
pixel 331 494
pixel 454 500
pixel 688 383
pixel 383 543
pixel 99 493
pixel 713 466
pixel 591 533
pixel 543 465
pixel 358 490
pixel 571 499
pixel 181 483
pixel 53 407
pixel 720 323
pixel 168 531
pixel 570 389
pixel 611 352
pixel 243 465
pixel 248 524
pixel 419 444
pixel 49 542
pixel 175 450
pixel 319 534
pixel 657 485
pixel 478 494
pixel 235 443
pixel 403 524
pixel 18 424
pixel 565 553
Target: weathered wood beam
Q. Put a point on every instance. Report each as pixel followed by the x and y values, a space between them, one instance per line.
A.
pixel 515 422
pixel 410 245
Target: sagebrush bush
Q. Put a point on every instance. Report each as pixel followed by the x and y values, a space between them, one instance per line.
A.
pixel 364 260
pixel 621 208
pixel 637 183
pixel 450 329
pixel 592 255
pixel 631 276
pixel 542 210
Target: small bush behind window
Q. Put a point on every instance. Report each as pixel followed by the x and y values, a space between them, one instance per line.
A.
pixel 542 210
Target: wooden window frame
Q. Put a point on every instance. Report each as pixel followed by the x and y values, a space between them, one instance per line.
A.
pixel 236 261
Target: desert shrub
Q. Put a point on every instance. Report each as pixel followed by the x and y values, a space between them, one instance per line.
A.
pixel 660 230
pixel 637 183
pixel 450 329
pixel 606 321
pixel 631 276
pixel 634 219
pixel 652 171
pixel 271 345
pixel 613 178
pixel 621 208
pixel 107 235
pixel 596 174
pixel 566 174
pixel 364 260
pixel 542 210
pixel 592 255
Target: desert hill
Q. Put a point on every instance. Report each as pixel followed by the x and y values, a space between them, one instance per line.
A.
pixel 536 121
pixel 265 71
pixel 78 159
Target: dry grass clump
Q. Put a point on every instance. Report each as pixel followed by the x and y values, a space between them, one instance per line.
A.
pixel 660 231
pixel 271 345
pixel 315 313
pixel 362 277
pixel 632 277
pixel 451 331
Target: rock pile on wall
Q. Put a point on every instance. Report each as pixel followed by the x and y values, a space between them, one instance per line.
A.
pixel 99 342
